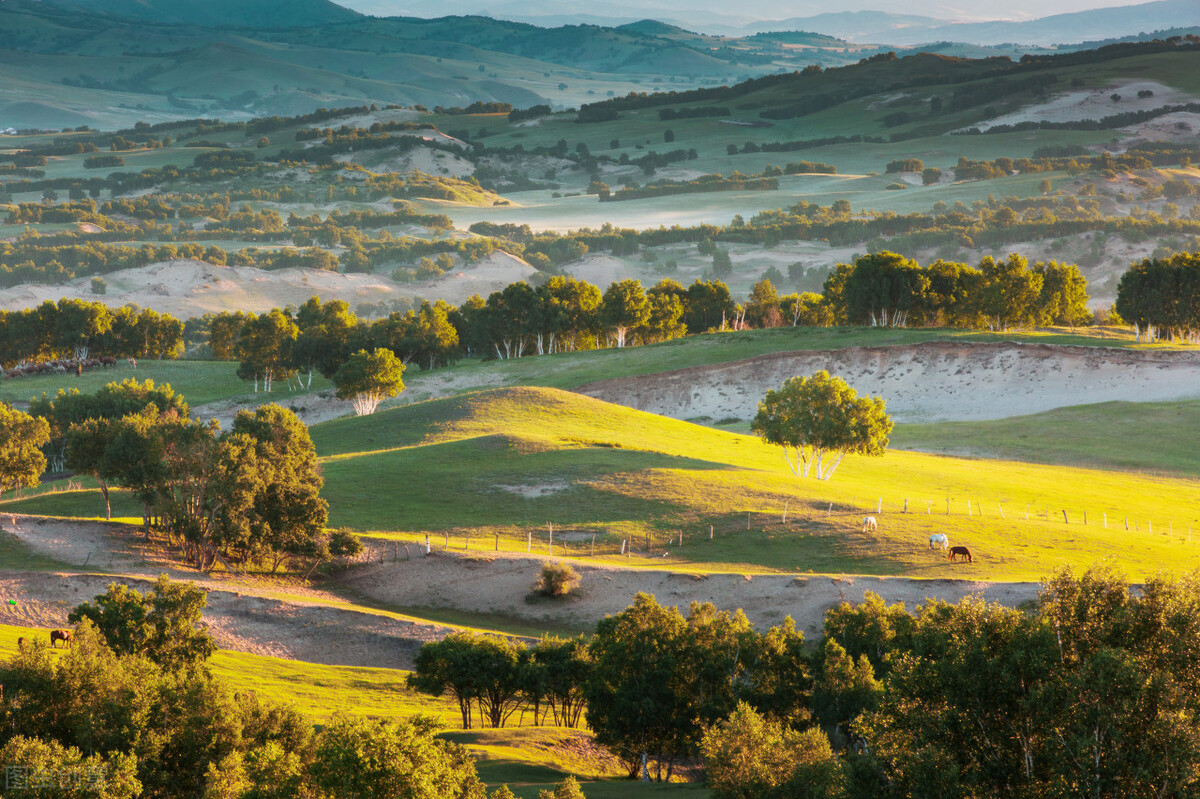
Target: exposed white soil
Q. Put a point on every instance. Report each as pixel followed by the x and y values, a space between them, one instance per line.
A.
pixel 1081 104
pixel 937 381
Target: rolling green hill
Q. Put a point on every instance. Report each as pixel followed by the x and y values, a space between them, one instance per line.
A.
pixel 501 461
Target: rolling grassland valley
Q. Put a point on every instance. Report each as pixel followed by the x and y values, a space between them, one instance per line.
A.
pixel 607 402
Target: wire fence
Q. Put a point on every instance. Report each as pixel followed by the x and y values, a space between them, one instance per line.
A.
pixel 806 517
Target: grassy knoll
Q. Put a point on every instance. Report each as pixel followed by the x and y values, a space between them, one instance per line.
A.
pixel 508 461
pixel 1155 437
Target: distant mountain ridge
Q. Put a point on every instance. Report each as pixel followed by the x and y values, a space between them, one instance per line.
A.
pixel 220 13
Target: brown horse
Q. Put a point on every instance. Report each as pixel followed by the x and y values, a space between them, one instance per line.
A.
pixel 60 635
pixel 963 551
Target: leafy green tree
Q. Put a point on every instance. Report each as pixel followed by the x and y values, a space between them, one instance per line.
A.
pixel 286 510
pixel 323 340
pixel 747 756
pixel 21 440
pixel 665 318
pixel 265 347
pixel 64 771
pixel 844 688
pixel 635 704
pixel 883 289
pixel 447 666
pixel 368 378
pixel 1063 299
pixel 762 308
pixel 624 308
pixel 808 309
pixel 359 758
pixel 708 306
pixel 1008 292
pixel 818 416
pixel 567 789
pixel 164 624
pixel 563 667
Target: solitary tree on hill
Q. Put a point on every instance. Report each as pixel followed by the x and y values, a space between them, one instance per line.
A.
pixel 819 416
pixel 368 378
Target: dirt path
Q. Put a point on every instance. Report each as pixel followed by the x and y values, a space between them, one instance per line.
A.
pixel 244 614
pixel 936 381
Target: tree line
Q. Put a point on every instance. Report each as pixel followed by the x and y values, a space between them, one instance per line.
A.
pixel 888 290
pixel 1090 692
pixel 76 329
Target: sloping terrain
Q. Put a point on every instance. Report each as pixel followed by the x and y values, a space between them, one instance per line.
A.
pixel 931 382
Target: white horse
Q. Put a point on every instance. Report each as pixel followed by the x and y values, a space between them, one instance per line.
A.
pixel 938 540
pixel 869 524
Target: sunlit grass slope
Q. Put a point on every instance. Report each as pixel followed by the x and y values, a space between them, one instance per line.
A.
pixel 1156 437
pixel 508 461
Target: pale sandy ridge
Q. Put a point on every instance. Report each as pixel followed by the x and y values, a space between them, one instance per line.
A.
pixel 935 381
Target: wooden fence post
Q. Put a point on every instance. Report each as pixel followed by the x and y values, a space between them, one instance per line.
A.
pixel 550 541
pixel 497 542
pixel 968 508
pixel 906 504
pixel 879 506
pixel 710 532
pixel 593 544
pixel 529 540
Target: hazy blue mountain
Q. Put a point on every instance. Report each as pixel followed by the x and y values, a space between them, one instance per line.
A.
pixel 240 13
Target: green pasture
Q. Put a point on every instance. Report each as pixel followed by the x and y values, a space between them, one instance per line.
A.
pixel 1152 437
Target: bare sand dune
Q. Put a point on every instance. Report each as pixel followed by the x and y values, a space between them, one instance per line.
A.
pixel 187 288
pixel 501 585
pixel 1081 104
pixel 938 381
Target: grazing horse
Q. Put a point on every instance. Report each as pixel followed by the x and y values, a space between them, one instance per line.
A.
pixel 963 551
pixel 21 644
pixel 60 635
pixel 869 524
pixel 938 540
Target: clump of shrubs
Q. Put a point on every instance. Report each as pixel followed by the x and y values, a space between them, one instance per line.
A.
pixel 557 580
